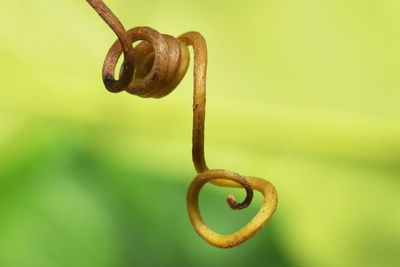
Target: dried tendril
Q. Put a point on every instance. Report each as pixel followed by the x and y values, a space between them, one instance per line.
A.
pixel 154 68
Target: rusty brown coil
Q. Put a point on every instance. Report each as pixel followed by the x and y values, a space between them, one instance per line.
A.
pixel 154 68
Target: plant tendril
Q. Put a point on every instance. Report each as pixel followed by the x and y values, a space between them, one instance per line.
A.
pixel 154 68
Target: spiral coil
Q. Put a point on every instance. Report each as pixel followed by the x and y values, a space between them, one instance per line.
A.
pixel 154 68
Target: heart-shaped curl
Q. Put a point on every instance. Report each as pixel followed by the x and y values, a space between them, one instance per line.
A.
pixel 230 179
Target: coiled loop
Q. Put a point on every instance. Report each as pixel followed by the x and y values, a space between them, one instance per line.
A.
pixel 160 62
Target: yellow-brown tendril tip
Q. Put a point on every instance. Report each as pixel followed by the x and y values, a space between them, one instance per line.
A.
pixel 249 197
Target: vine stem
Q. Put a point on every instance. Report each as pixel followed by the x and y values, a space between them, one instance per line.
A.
pixel 154 68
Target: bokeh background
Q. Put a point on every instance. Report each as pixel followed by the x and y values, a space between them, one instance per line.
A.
pixel 303 93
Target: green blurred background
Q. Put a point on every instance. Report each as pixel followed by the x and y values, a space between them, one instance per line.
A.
pixel 303 93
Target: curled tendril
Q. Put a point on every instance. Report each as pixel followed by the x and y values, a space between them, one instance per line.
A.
pixel 154 68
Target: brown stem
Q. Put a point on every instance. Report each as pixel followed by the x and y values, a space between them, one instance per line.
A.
pixel 128 66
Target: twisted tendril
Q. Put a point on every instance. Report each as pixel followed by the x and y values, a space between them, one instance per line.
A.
pixel 154 68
